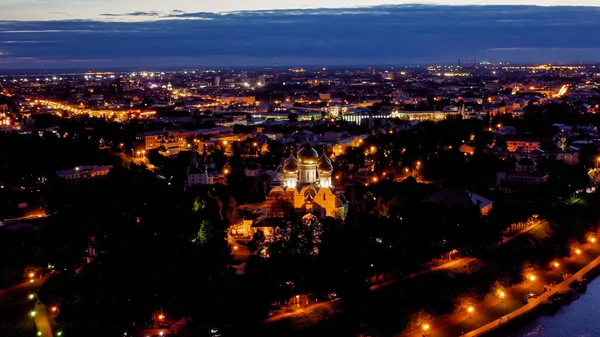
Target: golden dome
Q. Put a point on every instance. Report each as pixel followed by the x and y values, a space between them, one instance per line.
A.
pixel 307 155
pixel 324 164
pixel 290 165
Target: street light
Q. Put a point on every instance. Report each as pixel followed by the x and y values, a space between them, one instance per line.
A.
pixel 556 264
pixel 31 296
pixel 425 327
pixel 531 278
pixel 592 239
pixel 31 275
pixel 578 251
pixel 32 313
pixel 502 295
pixel 470 311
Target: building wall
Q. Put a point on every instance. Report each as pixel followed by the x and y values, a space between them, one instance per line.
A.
pixel 512 145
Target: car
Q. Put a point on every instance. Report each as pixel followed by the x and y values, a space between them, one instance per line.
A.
pixel 215 332
pixel 530 295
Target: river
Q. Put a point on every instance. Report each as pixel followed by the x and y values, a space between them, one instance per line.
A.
pixel 576 319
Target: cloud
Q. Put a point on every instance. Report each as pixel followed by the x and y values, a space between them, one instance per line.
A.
pixel 381 35
pixel 148 14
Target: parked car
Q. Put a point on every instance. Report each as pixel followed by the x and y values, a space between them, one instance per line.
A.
pixel 528 296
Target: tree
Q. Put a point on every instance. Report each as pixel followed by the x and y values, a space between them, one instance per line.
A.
pixel 293 117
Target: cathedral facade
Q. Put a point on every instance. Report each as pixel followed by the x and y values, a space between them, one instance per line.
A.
pixel 306 187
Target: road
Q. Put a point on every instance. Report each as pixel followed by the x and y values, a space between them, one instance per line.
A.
pixel 318 305
pixel 561 287
pixel 15 308
pixel 301 310
pixel 490 312
pixel 42 320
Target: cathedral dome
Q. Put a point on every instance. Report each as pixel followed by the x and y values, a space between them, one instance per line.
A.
pixel 324 164
pixel 290 165
pixel 308 155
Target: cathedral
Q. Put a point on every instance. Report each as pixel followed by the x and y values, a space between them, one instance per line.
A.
pixel 306 187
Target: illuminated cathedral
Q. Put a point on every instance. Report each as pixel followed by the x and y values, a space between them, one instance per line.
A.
pixel 306 187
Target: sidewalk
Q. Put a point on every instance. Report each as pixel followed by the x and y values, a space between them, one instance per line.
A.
pixel 563 286
pixel 491 312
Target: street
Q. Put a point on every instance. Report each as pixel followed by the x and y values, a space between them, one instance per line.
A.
pixel 15 310
pixel 320 305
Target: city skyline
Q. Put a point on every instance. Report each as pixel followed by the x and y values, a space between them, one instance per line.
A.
pixel 380 35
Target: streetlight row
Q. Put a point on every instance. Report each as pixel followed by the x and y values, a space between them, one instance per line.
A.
pixel 502 294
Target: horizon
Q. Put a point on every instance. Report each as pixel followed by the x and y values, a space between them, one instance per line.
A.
pixel 4 72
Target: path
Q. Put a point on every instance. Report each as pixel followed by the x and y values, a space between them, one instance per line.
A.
pixel 298 311
pixel 42 321
pixel 313 306
pixel 561 287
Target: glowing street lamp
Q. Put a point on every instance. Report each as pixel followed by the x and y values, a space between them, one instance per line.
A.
pixel 425 327
pixel 556 264
pixel 592 239
pixel 502 295
pixel 470 310
pixel 531 278
pixel 31 275
pixel 578 251
pixel 32 313
pixel 31 296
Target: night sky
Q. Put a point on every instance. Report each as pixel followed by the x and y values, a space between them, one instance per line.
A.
pixel 107 37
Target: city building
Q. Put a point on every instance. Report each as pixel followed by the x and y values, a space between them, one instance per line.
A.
pixel 526 173
pixel 453 197
pixel 197 173
pixel 84 172
pixel 527 145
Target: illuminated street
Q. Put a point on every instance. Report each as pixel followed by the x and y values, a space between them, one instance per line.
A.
pixel 16 307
